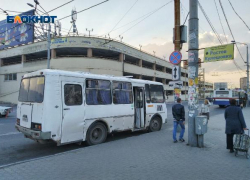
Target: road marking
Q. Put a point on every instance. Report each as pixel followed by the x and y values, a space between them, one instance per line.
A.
pixel 10 133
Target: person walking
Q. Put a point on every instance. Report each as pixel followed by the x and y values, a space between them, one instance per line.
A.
pixel 205 108
pixel 245 100
pixel 241 100
pixel 178 112
pixel 235 123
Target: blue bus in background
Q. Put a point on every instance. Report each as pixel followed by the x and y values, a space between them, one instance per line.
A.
pixel 222 96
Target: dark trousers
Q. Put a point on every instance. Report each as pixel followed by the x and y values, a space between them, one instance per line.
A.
pixel 230 143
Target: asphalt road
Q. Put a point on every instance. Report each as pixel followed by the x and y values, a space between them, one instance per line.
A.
pixel 14 147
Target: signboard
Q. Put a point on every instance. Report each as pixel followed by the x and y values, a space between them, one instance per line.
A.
pixel 59 41
pixel 175 57
pixel 175 72
pixel 175 84
pixel 219 53
pixel 12 34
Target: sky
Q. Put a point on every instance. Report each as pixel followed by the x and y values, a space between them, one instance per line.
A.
pixel 150 24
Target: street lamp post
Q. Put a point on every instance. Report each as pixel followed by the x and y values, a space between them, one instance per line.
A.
pixel 140 46
pixel 89 30
pixel 247 62
pixel 121 37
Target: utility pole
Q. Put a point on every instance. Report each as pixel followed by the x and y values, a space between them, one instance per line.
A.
pixel 247 77
pixel 48 40
pixel 247 62
pixel 177 37
pixel 193 46
pixel 177 23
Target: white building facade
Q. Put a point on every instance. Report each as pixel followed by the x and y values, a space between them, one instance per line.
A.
pixel 88 54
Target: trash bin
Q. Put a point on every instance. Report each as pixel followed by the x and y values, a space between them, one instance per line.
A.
pixel 200 125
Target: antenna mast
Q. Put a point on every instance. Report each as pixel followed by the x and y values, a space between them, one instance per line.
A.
pixel 74 17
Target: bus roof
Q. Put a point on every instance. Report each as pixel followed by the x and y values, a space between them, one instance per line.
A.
pixel 87 75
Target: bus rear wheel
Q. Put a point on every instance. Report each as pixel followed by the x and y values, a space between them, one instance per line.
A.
pixel 221 106
pixel 155 124
pixel 96 134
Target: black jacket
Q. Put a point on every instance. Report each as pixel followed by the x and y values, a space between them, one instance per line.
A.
pixel 178 112
pixel 235 121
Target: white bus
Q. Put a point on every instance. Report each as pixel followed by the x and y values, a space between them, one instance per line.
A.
pixel 223 95
pixel 69 107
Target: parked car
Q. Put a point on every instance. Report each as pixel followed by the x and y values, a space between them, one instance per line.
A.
pixel 5 110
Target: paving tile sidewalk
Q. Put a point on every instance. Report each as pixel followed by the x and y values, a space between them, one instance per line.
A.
pixel 147 156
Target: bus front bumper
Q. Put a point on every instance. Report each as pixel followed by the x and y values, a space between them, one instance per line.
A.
pixel 36 135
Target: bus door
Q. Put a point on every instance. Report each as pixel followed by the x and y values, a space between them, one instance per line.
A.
pixel 139 107
pixel 72 112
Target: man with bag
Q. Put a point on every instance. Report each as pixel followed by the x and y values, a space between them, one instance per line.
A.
pixel 178 112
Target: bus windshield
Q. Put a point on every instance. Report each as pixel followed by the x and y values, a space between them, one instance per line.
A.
pixel 31 90
pixel 156 93
pixel 222 92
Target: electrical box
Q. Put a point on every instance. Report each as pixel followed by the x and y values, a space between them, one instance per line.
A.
pixel 183 33
pixel 200 125
pixel 183 29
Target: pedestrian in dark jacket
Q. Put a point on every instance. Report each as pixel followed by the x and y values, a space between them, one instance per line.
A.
pixel 235 123
pixel 178 112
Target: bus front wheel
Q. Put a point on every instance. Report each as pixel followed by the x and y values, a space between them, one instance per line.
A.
pixel 96 134
pixel 155 124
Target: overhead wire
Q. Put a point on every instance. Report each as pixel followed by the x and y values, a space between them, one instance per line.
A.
pixel 124 15
pixel 147 17
pixel 186 18
pixel 45 12
pixel 129 23
pixel 239 15
pixel 59 6
pixel 13 11
pixel 141 20
pixel 230 29
pixel 4 11
pixel 84 9
pixel 31 25
pixel 220 20
pixel 236 65
pixel 199 24
pixel 210 23
pixel 182 12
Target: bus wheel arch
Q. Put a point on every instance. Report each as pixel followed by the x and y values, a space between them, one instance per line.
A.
pixel 97 133
pixel 155 123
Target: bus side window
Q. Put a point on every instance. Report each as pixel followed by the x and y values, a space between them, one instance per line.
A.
pixel 147 93
pixel 122 93
pixel 98 92
pixel 72 94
